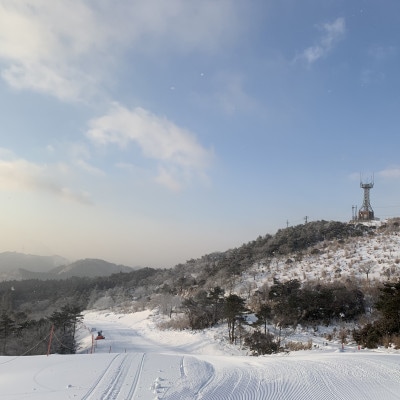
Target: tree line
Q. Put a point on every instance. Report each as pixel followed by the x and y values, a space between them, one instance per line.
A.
pixel 20 335
pixel 283 305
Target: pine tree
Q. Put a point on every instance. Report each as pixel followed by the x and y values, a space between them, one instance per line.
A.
pixel 7 326
pixel 234 309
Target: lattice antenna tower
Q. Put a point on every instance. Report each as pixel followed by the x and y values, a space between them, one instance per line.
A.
pixel 366 212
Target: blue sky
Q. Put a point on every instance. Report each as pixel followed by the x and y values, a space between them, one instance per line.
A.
pixel 151 132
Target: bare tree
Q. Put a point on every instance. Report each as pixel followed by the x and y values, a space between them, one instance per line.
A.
pixel 367 267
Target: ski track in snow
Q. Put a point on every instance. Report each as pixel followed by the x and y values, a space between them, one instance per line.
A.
pixel 291 378
pixel 119 379
pixel 144 369
pixel 138 362
pixel 156 371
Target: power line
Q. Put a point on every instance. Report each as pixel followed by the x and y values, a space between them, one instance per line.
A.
pixel 27 351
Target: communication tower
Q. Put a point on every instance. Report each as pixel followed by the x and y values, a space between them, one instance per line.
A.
pixel 366 213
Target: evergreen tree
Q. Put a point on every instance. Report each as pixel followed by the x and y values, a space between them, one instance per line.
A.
pixel 234 310
pixel 263 315
pixel 65 322
pixel 7 327
pixel 216 296
pixel 389 305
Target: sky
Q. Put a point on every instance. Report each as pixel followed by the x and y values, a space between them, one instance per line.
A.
pixel 147 133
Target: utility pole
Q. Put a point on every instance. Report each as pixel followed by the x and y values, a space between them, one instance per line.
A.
pixel 353 213
pixel 50 340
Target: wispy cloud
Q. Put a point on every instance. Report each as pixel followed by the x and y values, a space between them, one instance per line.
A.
pixel 178 154
pixel 66 49
pixel 168 179
pixel 84 165
pixel 332 33
pixel 45 45
pixel 369 76
pixel 390 173
pixel 381 53
pixel 80 156
pixel 379 56
pixel 18 174
pixel 232 96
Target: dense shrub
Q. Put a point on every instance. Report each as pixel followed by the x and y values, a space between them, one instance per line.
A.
pixel 261 343
pixel 325 303
pixel 297 346
pixel 388 325
pixel 369 336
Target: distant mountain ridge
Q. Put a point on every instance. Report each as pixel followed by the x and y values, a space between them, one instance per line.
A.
pixel 89 267
pixel 22 266
pixel 11 260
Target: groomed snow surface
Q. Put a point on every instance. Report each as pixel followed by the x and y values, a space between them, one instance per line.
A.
pixel 138 361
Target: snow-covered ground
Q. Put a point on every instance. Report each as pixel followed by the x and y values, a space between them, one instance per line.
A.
pixel 138 361
pixel 332 261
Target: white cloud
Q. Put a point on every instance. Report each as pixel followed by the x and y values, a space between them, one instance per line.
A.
pixel 66 48
pixel 17 174
pixel 44 44
pixel 332 33
pixel 176 150
pixel 390 173
pixel 44 79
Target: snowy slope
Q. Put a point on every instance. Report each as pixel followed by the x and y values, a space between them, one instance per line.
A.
pixel 137 361
pixel 332 261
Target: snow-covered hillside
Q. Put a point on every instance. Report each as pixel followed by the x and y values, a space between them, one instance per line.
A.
pixel 138 361
pixel 377 254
